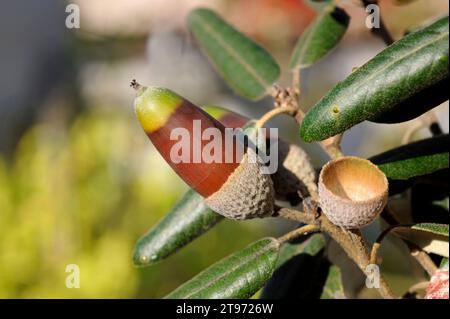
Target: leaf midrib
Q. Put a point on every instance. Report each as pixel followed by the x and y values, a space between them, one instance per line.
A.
pixel 264 84
pixel 308 40
pixel 422 227
pixel 377 73
pixel 231 270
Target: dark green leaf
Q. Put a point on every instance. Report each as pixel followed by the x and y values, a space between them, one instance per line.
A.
pixel 247 67
pixel 408 66
pixel 432 238
pixel 417 104
pixel 415 159
pixel 439 229
pixel 237 276
pixel 310 246
pixel 302 271
pixel 428 146
pixel 333 288
pixel 189 219
pixel 320 37
pixel 415 166
pixel 423 197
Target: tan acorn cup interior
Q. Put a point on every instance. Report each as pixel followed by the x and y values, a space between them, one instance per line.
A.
pixel 352 191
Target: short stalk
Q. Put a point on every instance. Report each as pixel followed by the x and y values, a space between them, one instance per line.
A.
pixel 298 232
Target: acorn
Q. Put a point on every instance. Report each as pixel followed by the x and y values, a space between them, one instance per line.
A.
pixel 352 192
pixel 295 171
pixel 234 188
pixel 226 117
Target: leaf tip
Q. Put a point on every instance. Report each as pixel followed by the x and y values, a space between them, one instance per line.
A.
pixel 142 258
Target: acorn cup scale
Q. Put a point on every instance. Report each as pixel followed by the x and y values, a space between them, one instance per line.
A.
pixel 295 171
pixel 235 189
pixel 352 192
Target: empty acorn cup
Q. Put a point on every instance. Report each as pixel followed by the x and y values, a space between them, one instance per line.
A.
pixel 352 192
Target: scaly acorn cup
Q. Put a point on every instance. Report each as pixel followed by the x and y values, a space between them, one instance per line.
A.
pixel 352 192
pixel 295 171
pixel 233 188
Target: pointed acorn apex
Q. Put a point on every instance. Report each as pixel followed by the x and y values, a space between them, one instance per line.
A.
pixel 352 192
pixel 235 189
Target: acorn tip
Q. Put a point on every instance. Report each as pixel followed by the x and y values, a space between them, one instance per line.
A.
pixel 135 85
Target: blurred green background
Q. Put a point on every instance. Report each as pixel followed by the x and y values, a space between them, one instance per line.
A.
pixel 80 182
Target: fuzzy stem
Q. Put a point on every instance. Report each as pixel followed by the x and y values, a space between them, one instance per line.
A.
pixel 350 241
pixel 353 244
pixel 419 255
pixel 428 120
pixel 295 215
pixel 377 245
pixel 332 146
pixel 296 80
pixel 298 232
pixel 363 254
pixel 272 113
pixel 423 259
pixel 135 85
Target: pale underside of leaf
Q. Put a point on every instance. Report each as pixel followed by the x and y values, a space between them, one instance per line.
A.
pixel 432 238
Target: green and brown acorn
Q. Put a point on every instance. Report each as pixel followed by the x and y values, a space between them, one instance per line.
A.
pixel 295 171
pixel 235 189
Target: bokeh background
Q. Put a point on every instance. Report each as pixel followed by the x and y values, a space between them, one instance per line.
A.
pixel 80 182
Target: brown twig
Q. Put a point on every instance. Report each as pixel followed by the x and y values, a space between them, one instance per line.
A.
pixel 298 232
pixel 428 120
pixel 377 245
pixel 418 254
pixel 274 112
pixel 296 81
pixel 295 215
pixel 332 146
pixel 423 259
pixel 354 245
